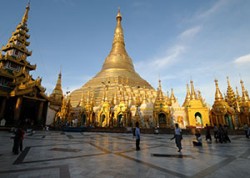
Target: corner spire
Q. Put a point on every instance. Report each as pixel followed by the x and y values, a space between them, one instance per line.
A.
pixel 172 97
pixel 58 88
pixel 231 99
pixel 159 92
pixel 193 94
pixel 188 97
pixel 244 95
pixel 218 95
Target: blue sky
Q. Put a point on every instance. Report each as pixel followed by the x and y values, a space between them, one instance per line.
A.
pixel 174 41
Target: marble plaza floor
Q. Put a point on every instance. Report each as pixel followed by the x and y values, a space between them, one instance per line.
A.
pixel 107 155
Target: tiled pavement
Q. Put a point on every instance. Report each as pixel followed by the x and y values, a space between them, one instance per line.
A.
pixel 108 155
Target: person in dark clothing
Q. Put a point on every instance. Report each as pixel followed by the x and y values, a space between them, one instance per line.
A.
pixel 226 137
pixel 216 133
pixel 246 130
pixel 17 141
pixel 208 134
pixel 137 136
pixel 221 134
pixel 21 140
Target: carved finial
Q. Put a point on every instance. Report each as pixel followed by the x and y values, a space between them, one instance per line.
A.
pixel 119 16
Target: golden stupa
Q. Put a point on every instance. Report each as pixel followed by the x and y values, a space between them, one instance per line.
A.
pixel 117 76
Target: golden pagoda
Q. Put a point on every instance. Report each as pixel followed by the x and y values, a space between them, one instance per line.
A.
pixel 221 112
pixel 161 109
pixel 118 97
pixel 234 110
pixel 56 96
pixel 117 73
pixel 244 117
pixel 114 90
pixel 22 98
pixel 56 101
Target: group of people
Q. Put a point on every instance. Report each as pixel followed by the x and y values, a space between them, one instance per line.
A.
pixel 221 134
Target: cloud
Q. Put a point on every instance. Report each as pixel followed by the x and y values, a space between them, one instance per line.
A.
pixel 242 59
pixel 189 33
pixel 212 10
pixel 171 57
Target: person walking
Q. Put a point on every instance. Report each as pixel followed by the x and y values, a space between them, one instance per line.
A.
pixel 177 137
pixel 226 137
pixel 221 134
pixel 245 127
pixel 137 136
pixel 21 139
pixel 17 140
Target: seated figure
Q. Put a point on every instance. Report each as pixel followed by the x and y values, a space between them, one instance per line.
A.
pixel 198 140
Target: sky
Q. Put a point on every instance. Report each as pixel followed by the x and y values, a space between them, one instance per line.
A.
pixel 174 41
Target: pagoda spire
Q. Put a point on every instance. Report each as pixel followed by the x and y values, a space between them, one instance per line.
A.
pixel 58 88
pixel 218 95
pixel 188 97
pixel 17 44
pixel 231 99
pixel 118 57
pixel 57 94
pixel 244 95
pixel 118 41
pixel 172 97
pixel 25 16
pixel 193 94
pixel 160 93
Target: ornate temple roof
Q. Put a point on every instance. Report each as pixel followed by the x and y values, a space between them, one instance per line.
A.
pixel 15 68
pixel 117 73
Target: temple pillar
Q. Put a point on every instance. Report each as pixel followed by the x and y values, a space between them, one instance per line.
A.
pixel 239 119
pixel 3 104
pixel 18 108
pixel 216 120
pixel 40 112
pixel 233 121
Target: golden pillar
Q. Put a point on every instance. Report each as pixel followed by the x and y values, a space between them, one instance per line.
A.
pixel 3 104
pixel 216 117
pixel 18 108
pixel 233 121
